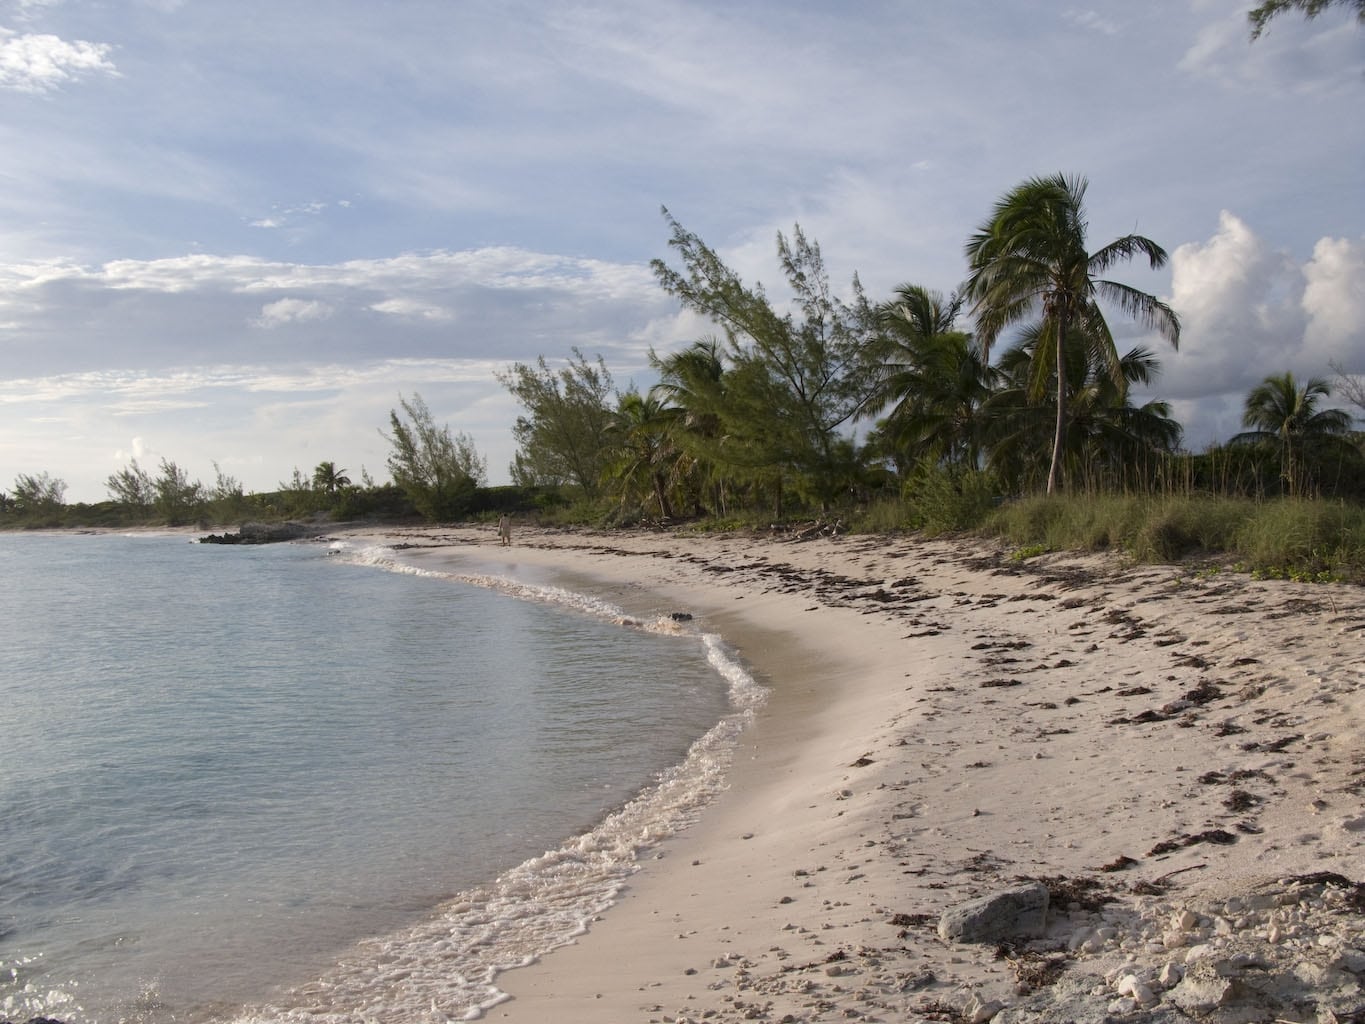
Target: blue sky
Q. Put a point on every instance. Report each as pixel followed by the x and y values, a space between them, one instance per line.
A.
pixel 235 231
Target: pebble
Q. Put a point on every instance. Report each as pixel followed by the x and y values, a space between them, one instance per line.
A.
pixel 1170 975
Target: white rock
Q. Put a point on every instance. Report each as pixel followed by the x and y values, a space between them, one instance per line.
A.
pixel 1205 992
pixel 1116 974
pixel 1196 953
pixel 979 1012
pixel 1170 975
pixel 1187 920
pixel 1121 1006
pixel 1173 939
pixel 1127 985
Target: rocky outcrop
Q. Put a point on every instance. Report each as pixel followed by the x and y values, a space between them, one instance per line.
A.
pixel 1289 950
pixel 261 533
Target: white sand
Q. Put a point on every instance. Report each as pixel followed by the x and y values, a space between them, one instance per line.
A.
pixel 944 721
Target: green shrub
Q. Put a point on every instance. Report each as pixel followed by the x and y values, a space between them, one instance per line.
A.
pixel 941 499
pixel 886 515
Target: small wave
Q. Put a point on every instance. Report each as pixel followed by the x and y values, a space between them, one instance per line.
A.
pixel 382 558
pixel 446 967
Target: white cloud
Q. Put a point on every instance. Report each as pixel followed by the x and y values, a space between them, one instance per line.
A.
pixel 287 311
pixel 1293 55
pixel 1248 311
pixel 137 449
pixel 1334 301
pixel 38 63
pixel 412 309
pixel 1239 305
pixel 283 216
pixel 1092 20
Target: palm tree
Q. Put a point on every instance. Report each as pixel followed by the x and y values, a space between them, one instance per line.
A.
pixel 330 479
pixel 692 386
pixel 1282 412
pixel 1030 259
pixel 643 454
pixel 1107 438
pixel 934 378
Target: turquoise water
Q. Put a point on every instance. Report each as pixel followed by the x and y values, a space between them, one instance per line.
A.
pixel 245 783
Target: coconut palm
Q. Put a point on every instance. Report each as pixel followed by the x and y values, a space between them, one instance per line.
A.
pixel 934 379
pixel 643 453
pixel 692 386
pixel 326 477
pixel 1108 436
pixel 1280 411
pixel 1029 259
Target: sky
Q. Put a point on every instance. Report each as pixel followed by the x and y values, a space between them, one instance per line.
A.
pixel 234 233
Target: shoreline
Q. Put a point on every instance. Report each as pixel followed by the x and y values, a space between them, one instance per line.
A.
pixel 942 723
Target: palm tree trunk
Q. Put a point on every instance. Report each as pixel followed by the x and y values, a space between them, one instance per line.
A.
pixel 661 495
pixel 1054 473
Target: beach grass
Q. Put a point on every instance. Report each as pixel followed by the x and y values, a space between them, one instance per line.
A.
pixel 1299 538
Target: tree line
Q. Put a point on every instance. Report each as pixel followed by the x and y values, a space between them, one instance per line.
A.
pixel 831 401
pixel 1011 385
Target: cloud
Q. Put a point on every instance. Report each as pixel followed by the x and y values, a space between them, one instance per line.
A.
pixel 286 311
pixel 1239 305
pixel 1334 301
pixel 282 216
pixel 1091 20
pixel 412 309
pixel 1248 311
pixel 1298 56
pixel 39 63
pixel 62 316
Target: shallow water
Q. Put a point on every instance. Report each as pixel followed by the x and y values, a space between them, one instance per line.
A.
pixel 237 778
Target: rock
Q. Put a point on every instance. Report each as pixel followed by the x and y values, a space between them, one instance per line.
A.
pixel 1204 988
pixel 1170 975
pixel 260 533
pixel 978 1012
pixel 1018 910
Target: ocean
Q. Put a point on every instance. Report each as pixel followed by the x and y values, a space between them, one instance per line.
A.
pixel 323 781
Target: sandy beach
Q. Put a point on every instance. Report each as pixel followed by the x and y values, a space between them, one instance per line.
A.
pixel 1176 755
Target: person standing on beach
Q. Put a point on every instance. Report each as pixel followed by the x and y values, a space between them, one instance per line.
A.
pixel 505 530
